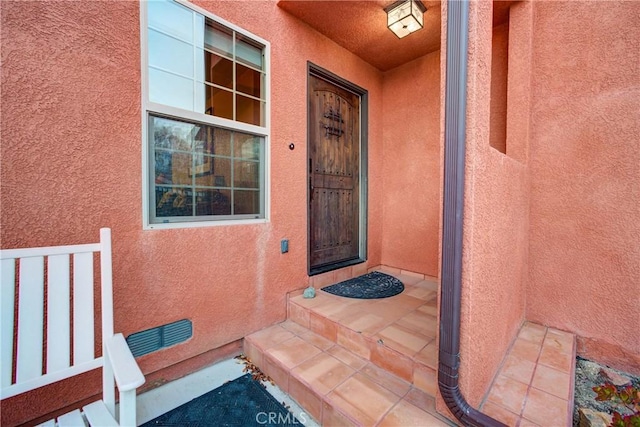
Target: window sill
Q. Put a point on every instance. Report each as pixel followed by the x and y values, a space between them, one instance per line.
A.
pixel 201 224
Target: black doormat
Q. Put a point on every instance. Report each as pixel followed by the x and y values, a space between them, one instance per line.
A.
pixel 243 402
pixel 368 286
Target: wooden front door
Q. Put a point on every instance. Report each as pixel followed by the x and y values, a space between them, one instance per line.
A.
pixel 334 175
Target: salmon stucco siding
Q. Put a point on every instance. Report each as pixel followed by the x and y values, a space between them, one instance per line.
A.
pixel 584 273
pixel 551 225
pixel 71 163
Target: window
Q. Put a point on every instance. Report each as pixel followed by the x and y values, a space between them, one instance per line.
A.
pixel 206 127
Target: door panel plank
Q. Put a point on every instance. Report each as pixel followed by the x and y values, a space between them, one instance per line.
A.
pixel 334 149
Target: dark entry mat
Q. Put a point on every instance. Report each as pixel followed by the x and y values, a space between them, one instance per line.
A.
pixel 369 286
pixel 243 402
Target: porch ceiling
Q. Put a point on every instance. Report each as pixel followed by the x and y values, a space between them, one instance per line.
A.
pixel 360 26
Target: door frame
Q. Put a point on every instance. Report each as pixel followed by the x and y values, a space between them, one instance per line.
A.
pixel 317 71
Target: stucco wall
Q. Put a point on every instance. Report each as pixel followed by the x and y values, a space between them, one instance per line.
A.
pixel 411 209
pixel 496 210
pixel 71 163
pixel 499 77
pixel 585 177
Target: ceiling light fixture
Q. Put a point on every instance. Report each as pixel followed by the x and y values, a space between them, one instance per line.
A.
pixel 405 16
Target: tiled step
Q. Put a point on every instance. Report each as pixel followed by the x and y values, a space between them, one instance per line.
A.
pixel 396 334
pixel 335 385
pixel 534 386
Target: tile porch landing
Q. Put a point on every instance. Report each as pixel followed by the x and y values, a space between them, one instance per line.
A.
pixel 373 362
pixel 397 334
pixel 357 362
pixel 335 386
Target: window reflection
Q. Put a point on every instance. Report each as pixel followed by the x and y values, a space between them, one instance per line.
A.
pixel 171 18
pixel 170 89
pixel 201 170
pixel 248 146
pixel 248 52
pixel 170 54
pixel 246 202
pixel 246 174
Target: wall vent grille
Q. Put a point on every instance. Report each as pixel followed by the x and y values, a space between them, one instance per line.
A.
pixel 154 339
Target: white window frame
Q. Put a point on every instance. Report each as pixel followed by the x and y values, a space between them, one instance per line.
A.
pixel 149 107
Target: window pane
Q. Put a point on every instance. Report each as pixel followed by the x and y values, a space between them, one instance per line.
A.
pixel 218 39
pixel 173 202
pixel 218 70
pixel 202 168
pixel 172 134
pixel 200 65
pixel 169 89
pixel 163 167
pixel 171 18
pixel 249 52
pixel 181 163
pixel 200 30
pixel 202 159
pixel 173 142
pixel 213 202
pixel 247 146
pixel 219 103
pixel 195 174
pixel 170 54
pixel 217 174
pixel 222 142
pixel 203 138
pixel 222 173
pixel 248 81
pixel 249 110
pixel 246 174
pixel 246 202
pixel 201 97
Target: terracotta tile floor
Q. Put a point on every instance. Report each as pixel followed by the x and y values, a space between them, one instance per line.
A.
pixel 402 327
pixel 334 385
pixel 357 362
pixel 534 387
pixel 352 362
